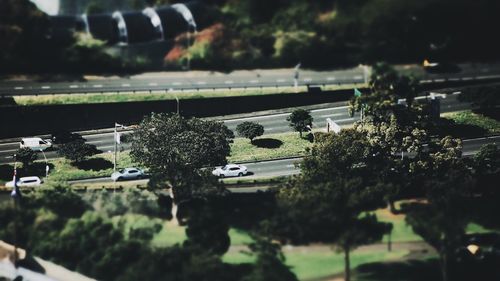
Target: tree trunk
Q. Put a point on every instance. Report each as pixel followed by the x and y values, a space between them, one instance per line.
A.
pixel 300 134
pixel 444 265
pixel 347 270
pixel 392 208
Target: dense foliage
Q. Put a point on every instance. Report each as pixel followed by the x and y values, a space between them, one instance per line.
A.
pixel 250 130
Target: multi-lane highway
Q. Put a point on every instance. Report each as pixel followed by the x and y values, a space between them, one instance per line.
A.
pixel 286 167
pixel 274 123
pixel 200 80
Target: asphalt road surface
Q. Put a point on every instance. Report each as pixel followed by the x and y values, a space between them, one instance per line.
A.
pixel 286 167
pixel 201 80
pixel 275 123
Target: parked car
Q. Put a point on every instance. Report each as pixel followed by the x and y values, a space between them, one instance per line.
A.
pixel 230 170
pixel 127 174
pixel 25 181
pixel 35 144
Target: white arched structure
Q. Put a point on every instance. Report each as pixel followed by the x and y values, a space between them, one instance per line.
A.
pixel 86 23
pixel 155 20
pixel 186 14
pixel 122 26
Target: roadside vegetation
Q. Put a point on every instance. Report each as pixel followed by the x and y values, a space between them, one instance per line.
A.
pixel 162 95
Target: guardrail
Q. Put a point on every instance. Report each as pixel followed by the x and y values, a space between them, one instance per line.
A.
pixel 87 88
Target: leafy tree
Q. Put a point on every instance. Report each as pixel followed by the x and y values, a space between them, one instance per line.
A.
pixel 270 262
pixel 447 182
pixel 26 156
pixel 300 120
pixel 386 87
pixel 207 230
pixel 173 147
pixel 328 201
pixel 250 130
pixel 77 151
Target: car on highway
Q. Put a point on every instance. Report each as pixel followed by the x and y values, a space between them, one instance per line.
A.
pixel 230 170
pixel 441 67
pixel 128 174
pixel 35 144
pixel 32 181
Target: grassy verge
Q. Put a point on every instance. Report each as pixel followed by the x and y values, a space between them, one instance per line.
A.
pixel 271 146
pixel 161 95
pixel 468 123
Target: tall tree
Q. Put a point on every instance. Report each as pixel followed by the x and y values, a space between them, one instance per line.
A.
pixel 329 200
pixel 26 156
pixel 77 150
pixel 170 144
pixel 300 120
pixel 250 130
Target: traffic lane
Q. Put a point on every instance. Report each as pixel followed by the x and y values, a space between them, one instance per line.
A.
pixel 286 167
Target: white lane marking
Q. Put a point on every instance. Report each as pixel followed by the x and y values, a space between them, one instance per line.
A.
pixel 486 138
pixel 467 78
pixel 358 77
pixel 331 115
pixel 177 83
pixel 201 82
pixel 330 78
pixel 73 86
pixel 307 79
pixel 10 150
pixel 153 84
pixel 254 81
pixel 487 76
pixel 280 80
pixel 346 119
pixel 439 80
pixel 228 82
pixel 256 117
pixel 125 85
pixel 454 79
pixel 97 86
pixel 330 108
pixel 45 87
pixel 290 166
pixel 18 88
pixel 269 129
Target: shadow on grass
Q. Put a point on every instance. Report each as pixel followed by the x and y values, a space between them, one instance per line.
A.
pixel 412 270
pixel 267 143
pixel 7 101
pixel 94 164
pixel 451 128
pixel 36 169
pixel 493 113
pixel 6 172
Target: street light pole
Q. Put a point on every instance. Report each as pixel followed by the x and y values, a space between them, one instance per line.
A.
pixel 296 76
pixel 116 147
pixel 46 164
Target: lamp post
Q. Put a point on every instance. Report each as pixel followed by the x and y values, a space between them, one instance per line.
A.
pixel 296 76
pixel 16 196
pixel 46 164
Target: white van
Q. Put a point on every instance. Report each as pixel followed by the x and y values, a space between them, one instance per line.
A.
pixel 35 144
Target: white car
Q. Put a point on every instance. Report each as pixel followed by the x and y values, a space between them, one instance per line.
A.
pixel 35 144
pixel 127 174
pixel 230 170
pixel 25 181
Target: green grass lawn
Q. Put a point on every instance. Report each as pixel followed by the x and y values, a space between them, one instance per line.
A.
pixel 163 95
pixel 268 147
pixel 473 123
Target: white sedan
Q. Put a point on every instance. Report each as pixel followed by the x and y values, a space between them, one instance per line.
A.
pixel 25 181
pixel 230 170
pixel 127 174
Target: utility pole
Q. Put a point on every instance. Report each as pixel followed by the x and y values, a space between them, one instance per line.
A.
pixel 296 76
